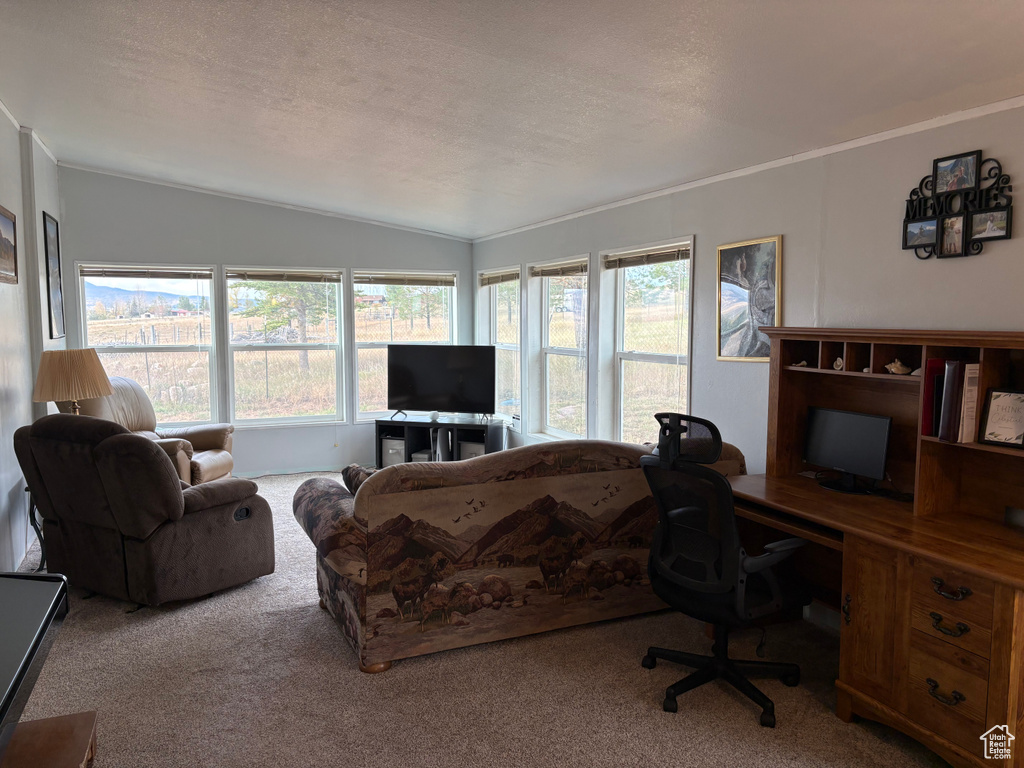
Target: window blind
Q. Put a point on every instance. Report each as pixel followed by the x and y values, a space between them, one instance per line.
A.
pixel 277 276
pixel 494 278
pixel 170 273
pixel 574 267
pixel 399 278
pixel 634 259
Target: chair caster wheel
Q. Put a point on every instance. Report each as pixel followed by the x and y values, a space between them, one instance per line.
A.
pixel 791 680
pixel 670 705
pixel 768 719
pixel 648 662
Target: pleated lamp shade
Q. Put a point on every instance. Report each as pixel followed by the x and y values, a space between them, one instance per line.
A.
pixel 70 374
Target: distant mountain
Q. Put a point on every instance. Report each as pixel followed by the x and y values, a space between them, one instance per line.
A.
pixel 532 525
pixel 474 532
pixel 109 296
pixel 394 540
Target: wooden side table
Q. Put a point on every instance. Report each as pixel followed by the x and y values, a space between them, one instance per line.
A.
pixel 55 742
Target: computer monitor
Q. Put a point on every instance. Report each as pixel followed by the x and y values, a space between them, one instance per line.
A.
pixel 853 444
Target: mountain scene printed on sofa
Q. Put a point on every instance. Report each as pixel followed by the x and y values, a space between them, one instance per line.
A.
pixel 473 563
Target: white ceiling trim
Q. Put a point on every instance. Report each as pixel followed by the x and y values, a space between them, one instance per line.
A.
pixel 42 145
pixel 1006 105
pixel 6 111
pixel 259 200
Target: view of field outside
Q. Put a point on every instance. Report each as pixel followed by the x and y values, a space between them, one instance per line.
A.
pixel 505 306
pixel 403 313
pixel 270 382
pixel 157 332
pixel 655 321
pixel 565 373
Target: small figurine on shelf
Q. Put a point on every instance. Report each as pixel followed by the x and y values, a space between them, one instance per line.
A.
pixel 838 364
pixel 898 368
pixel 801 364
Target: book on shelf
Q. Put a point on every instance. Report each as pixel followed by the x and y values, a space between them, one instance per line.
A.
pixel 934 373
pixel 952 391
pixel 969 406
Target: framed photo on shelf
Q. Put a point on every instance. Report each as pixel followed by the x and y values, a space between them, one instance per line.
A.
pixel 957 172
pixel 991 225
pixel 1004 418
pixel 749 297
pixel 8 247
pixel 54 290
pixel 919 233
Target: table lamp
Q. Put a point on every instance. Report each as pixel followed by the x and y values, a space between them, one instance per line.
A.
pixel 70 374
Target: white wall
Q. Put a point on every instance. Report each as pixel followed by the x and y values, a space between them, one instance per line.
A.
pixel 840 217
pixel 117 220
pixel 26 173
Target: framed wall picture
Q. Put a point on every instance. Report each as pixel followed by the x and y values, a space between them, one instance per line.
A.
pixel 54 289
pixel 8 247
pixel 952 242
pixel 919 233
pixel 957 172
pixel 749 297
pixel 1004 418
pixel 991 225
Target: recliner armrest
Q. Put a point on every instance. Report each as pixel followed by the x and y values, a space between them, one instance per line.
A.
pixel 226 490
pixel 204 437
pixel 173 445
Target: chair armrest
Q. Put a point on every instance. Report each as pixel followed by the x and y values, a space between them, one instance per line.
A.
pixel 775 553
pixel 204 437
pixel 173 445
pixel 226 490
pixel 327 513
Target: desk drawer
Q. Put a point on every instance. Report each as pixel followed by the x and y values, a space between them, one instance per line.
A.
pixel 947 690
pixel 954 595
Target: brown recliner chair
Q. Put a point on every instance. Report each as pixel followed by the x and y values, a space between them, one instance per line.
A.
pixel 200 454
pixel 117 519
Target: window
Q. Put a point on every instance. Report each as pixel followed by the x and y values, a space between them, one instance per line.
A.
pixel 564 347
pixel 283 342
pixel 652 345
pixel 405 307
pixel 504 333
pixel 153 326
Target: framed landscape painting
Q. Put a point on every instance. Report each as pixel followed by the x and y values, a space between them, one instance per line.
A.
pixel 54 290
pixel 8 247
pixel 749 297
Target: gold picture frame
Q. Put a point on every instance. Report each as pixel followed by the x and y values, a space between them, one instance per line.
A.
pixel 749 297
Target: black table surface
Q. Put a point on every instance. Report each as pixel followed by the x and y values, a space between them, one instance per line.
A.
pixel 29 603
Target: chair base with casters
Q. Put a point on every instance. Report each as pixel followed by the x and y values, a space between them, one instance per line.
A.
pixel 720 667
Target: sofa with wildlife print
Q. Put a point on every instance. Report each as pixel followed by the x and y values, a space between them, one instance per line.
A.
pixel 431 556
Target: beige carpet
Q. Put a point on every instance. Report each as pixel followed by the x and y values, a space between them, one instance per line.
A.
pixel 260 676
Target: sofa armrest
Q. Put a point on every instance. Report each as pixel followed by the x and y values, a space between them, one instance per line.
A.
pixel 204 437
pixel 216 493
pixel 327 513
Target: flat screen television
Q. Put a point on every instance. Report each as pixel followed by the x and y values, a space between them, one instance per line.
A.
pixel 854 444
pixel 452 379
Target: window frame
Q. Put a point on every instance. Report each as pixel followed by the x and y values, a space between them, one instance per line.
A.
pixel 212 347
pixel 620 356
pixel 338 347
pixel 367 417
pixel 514 423
pixel 547 351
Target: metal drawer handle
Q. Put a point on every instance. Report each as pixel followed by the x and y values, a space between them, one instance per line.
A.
pixel 959 594
pixel 951 700
pixel 845 608
pixel 961 628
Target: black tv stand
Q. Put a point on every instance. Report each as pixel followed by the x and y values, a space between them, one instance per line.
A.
pixel 446 438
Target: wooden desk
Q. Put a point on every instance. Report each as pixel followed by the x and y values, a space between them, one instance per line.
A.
pixel 944 681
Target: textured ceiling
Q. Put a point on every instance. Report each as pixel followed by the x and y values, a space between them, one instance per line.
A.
pixel 470 117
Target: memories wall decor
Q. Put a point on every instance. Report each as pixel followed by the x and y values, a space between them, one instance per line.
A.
pixel 965 202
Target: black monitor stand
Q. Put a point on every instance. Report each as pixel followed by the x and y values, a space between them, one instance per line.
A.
pixel 845 483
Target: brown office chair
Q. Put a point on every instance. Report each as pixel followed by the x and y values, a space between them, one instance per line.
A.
pixel 200 454
pixel 118 521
